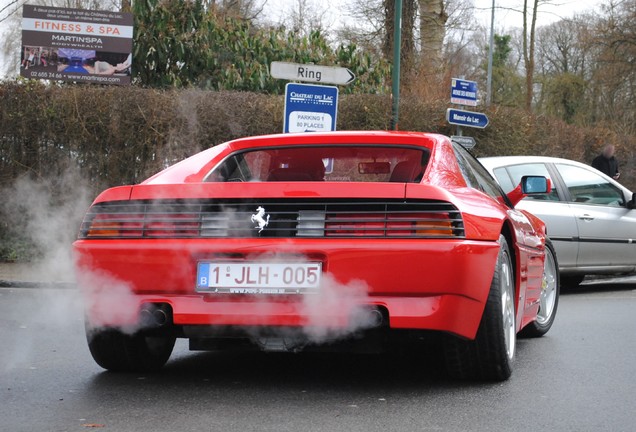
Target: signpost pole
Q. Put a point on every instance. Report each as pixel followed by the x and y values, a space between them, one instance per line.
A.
pixel 395 77
pixel 491 49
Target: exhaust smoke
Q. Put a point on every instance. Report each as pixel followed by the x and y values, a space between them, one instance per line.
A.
pixel 51 220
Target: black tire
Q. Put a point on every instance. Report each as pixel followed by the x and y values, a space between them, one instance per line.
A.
pixel 549 300
pixel 119 352
pixel 571 281
pixel 490 355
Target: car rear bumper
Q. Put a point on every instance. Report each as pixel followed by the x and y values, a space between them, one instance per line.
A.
pixel 433 284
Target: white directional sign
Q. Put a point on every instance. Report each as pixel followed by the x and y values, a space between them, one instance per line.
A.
pixel 311 73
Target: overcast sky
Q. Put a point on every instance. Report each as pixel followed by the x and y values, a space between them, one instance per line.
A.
pixel 507 12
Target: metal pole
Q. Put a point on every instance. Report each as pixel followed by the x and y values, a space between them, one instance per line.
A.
pixel 395 76
pixel 491 49
pixel 458 129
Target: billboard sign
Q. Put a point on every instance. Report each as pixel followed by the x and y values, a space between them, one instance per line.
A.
pixel 76 45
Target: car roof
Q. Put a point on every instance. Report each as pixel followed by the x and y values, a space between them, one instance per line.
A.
pixel 500 161
pixel 494 162
pixel 339 137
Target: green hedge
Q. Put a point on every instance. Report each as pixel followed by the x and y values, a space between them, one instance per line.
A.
pixel 120 135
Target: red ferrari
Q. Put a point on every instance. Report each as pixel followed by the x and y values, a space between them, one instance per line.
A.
pixel 319 240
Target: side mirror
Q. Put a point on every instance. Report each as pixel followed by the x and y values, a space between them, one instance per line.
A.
pixel 529 185
pixel 534 185
pixel 631 204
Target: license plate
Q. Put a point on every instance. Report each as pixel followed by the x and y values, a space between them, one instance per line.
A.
pixel 258 278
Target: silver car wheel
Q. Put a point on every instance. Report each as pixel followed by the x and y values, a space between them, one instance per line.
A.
pixel 508 307
pixel 547 300
pixel 490 355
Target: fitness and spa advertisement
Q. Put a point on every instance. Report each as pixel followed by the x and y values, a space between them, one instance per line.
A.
pixel 76 45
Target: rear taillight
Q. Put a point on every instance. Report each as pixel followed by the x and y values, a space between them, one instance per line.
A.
pixel 391 225
pixel 354 225
pixel 115 225
pixel 435 228
pixel 171 225
pixel 139 225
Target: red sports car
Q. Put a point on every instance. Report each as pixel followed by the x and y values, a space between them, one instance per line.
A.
pixel 317 240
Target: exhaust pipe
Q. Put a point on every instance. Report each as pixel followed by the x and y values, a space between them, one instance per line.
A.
pixel 376 319
pixel 160 317
pixel 145 318
pixel 368 317
pixel 154 315
pixel 280 343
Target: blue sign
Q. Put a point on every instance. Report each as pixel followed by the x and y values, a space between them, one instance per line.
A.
pixel 466 118
pixel 310 108
pixel 463 92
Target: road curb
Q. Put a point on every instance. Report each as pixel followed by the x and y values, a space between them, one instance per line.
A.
pixel 23 284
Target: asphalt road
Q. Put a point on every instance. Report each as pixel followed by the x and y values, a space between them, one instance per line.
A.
pixel 579 377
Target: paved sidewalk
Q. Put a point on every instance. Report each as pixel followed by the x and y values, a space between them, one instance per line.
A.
pixel 32 275
pixel 15 272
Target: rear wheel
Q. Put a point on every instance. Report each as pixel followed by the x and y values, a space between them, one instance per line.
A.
pixel 119 352
pixel 549 299
pixel 490 355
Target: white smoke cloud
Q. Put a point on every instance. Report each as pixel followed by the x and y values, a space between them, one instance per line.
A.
pixel 336 311
pixel 51 221
pixel 49 212
pixel 107 300
pixel 347 301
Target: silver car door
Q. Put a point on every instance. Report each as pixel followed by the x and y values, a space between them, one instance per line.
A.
pixel 607 228
pixel 562 228
pixel 551 208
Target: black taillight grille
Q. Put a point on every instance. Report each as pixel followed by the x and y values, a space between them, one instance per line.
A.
pixel 240 219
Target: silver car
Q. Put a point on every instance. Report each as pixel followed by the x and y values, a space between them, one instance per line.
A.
pixel 590 217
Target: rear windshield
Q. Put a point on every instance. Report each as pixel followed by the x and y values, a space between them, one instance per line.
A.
pixel 357 163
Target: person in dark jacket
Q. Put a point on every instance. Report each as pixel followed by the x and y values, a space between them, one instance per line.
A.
pixel 607 163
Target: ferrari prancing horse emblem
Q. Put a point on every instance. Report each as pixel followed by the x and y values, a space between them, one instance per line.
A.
pixel 260 218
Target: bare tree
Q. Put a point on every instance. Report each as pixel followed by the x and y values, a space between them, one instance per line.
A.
pixel 529 31
pixel 426 22
pixel 560 46
pixel 306 16
pixel 248 10
pixel 464 52
pixel 433 19
pixel 407 46
pixel 365 26
pixel 613 79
